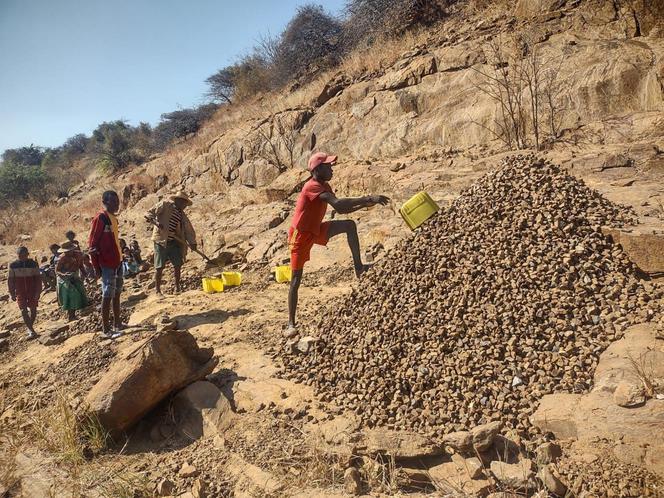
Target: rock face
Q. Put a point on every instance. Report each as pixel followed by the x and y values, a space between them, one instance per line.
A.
pixel 514 280
pixel 152 370
pixel 596 414
pixel 201 409
pixel 645 249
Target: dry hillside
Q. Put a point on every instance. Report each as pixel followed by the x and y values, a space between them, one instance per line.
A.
pixel 511 347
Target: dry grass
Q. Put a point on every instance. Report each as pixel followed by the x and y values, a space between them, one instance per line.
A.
pixel 70 438
pixel 644 369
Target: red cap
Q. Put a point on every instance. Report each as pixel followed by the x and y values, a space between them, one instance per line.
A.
pixel 320 158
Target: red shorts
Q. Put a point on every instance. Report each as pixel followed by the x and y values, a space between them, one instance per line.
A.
pixel 26 301
pixel 300 244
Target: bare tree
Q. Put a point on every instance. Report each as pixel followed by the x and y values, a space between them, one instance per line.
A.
pixel 528 91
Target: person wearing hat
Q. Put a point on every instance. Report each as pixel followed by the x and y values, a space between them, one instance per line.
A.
pixel 307 227
pixel 69 268
pixel 171 233
pixel 25 286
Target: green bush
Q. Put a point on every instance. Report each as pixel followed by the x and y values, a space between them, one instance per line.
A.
pixel 19 181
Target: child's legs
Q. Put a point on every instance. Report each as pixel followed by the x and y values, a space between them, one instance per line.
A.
pixel 293 295
pixel 348 227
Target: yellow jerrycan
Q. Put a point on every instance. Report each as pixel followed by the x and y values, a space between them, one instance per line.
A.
pixel 418 209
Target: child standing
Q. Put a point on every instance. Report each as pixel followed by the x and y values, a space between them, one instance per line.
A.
pixel 25 286
pixel 71 292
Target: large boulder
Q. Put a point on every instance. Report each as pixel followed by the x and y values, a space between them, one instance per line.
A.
pixel 139 379
pixel 645 249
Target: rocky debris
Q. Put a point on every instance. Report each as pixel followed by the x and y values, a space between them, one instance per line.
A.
pixel 548 452
pixel 598 473
pixel 81 367
pixel 152 370
pixel 165 323
pixel 449 477
pixel 4 344
pixel 472 466
pixel 461 441
pixel 515 279
pixel 483 435
pixel 47 340
pixel 188 470
pixel 201 409
pixel 551 482
pixel 628 394
pixel 4 334
pixel 410 480
pixel 136 297
pixel 165 487
pixel 515 476
pixel 352 481
pixel 398 445
pixel 306 344
pixel 199 489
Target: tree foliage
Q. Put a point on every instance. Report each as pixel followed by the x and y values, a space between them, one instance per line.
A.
pixel 26 156
pixel 21 181
pixel 178 124
pixel 311 38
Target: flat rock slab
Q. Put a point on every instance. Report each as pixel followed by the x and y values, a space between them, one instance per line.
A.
pixel 202 410
pixel 145 375
pixel 596 414
pixel 645 249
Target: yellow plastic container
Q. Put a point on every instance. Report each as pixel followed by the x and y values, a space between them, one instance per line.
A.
pixel 231 278
pixel 212 285
pixel 418 209
pixel 283 274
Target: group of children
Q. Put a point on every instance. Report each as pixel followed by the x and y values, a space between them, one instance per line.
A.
pixel 64 272
pixel 110 258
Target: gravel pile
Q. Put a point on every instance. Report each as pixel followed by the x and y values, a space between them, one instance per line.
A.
pixel 510 294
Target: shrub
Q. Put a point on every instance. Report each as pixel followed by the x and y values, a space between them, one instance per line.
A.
pixel 222 84
pixel 112 145
pixel 28 156
pixel 19 181
pixel 312 38
pixel 371 19
pixel 180 123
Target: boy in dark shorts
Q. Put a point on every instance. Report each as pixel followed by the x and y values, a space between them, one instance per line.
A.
pixel 307 227
pixel 25 286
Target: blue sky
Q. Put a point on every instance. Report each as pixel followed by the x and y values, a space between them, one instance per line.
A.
pixel 68 65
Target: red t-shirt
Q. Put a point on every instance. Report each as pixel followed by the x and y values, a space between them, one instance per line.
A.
pixel 310 209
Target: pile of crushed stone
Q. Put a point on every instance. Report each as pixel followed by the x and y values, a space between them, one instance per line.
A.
pixel 510 294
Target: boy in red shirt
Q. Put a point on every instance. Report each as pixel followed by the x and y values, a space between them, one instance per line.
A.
pixel 25 286
pixel 307 227
pixel 106 258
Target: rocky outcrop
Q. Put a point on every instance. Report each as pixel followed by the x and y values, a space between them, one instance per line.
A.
pixel 144 376
pixel 599 415
pixel 645 249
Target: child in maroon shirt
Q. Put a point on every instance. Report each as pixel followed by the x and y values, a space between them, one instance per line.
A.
pixel 25 286
pixel 308 228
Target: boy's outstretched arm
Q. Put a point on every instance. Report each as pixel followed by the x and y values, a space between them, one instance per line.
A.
pixel 351 204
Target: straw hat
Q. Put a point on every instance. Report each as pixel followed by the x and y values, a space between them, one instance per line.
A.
pixel 66 247
pixel 183 196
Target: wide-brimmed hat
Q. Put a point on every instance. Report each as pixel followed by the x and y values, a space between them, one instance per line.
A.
pixel 66 247
pixel 183 196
